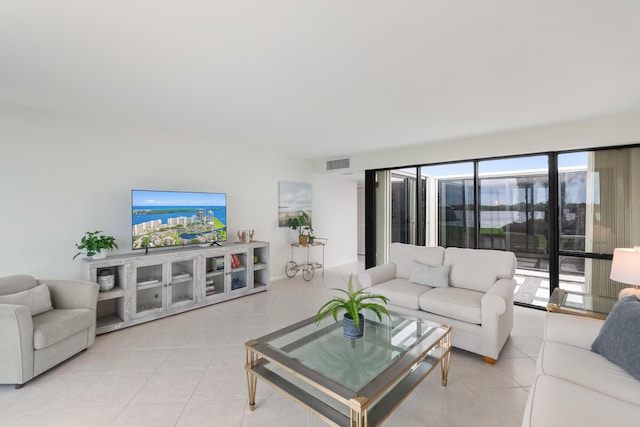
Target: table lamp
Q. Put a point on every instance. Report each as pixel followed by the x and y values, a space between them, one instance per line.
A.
pixel 625 268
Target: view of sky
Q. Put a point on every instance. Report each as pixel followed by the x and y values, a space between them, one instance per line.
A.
pixel 568 160
pixel 176 198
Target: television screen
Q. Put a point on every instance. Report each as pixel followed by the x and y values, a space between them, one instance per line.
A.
pixel 177 218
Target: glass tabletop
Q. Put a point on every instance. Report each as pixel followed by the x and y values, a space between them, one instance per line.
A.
pixel 587 302
pixel 350 362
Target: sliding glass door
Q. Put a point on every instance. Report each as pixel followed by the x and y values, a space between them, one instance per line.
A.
pixel 562 214
pixel 514 216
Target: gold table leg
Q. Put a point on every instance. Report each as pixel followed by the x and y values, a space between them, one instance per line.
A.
pixel 444 363
pixel 252 379
pixel 358 417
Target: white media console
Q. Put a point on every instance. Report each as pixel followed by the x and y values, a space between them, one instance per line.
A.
pixel 166 282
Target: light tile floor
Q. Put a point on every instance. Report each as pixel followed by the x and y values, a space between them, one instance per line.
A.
pixel 187 370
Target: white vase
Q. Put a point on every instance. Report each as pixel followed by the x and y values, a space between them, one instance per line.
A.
pixel 99 255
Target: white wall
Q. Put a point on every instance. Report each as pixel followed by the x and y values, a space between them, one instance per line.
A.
pixel 62 175
pixel 618 129
pixel 336 219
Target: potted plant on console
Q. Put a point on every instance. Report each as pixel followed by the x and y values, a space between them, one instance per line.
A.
pixel 301 224
pixel 353 304
pixel 95 245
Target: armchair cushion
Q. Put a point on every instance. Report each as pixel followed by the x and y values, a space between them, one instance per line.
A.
pixel 37 299
pixel 56 325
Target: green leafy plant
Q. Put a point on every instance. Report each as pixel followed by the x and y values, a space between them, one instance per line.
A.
pixel 353 303
pixel 301 224
pixel 93 242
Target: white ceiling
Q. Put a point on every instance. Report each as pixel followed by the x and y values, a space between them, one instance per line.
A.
pixel 322 79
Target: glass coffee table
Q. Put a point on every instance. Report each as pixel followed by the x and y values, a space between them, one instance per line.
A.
pixel 349 382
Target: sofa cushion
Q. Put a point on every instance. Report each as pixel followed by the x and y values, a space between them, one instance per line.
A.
pixel 54 326
pixel 555 402
pixel 619 338
pixel 478 269
pixel 455 303
pixel 587 369
pixel 403 255
pixel 423 274
pixel 37 299
pixel 402 293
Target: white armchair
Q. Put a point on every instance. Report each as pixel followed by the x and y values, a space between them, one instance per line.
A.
pixel 42 323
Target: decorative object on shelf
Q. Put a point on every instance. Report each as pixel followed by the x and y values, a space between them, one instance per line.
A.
pixel 95 245
pixel 106 279
pixel 245 236
pixel 235 261
pixel 353 304
pixel 301 224
pixel 236 283
pixel 625 268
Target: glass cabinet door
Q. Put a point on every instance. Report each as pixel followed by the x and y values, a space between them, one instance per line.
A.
pixel 214 276
pixel 149 295
pixel 181 289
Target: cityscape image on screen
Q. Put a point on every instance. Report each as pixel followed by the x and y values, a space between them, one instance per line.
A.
pixel 177 218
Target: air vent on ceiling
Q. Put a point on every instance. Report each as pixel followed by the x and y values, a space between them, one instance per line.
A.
pixel 338 164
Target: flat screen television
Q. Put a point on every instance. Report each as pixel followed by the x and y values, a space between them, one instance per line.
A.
pixel 177 218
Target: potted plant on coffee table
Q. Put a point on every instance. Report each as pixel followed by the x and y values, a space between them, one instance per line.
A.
pixel 95 245
pixel 353 304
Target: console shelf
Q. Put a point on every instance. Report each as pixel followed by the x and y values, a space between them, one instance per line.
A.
pixel 170 281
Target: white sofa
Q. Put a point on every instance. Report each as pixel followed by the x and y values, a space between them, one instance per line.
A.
pixel 477 301
pixel 575 386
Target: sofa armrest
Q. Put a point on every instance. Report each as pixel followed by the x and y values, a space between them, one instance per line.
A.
pixel 498 297
pixel 73 293
pixel 16 344
pixel 578 331
pixel 378 274
pixel 497 317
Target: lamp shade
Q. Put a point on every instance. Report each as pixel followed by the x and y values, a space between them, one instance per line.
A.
pixel 625 267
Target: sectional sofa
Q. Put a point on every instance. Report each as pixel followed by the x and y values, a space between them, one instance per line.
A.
pixel 468 289
pixel 575 386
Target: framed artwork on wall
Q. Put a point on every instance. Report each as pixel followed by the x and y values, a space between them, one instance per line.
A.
pixel 293 197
